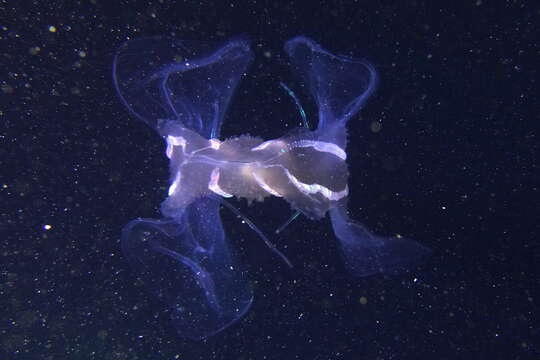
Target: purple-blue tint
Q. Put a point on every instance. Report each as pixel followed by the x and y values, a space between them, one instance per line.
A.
pixel 187 264
pixel 189 82
pixel 182 90
pixel 340 86
pixel 185 261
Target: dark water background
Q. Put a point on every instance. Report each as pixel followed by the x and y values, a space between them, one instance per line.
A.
pixel 453 165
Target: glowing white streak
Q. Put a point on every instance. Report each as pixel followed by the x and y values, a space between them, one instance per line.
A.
pixel 322 146
pixel 265 186
pixel 215 144
pixel 174 185
pixel 268 143
pixel 309 189
pixel 173 141
pixel 214 186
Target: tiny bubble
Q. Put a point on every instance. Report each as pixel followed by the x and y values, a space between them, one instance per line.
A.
pixel 363 300
pixel 34 50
